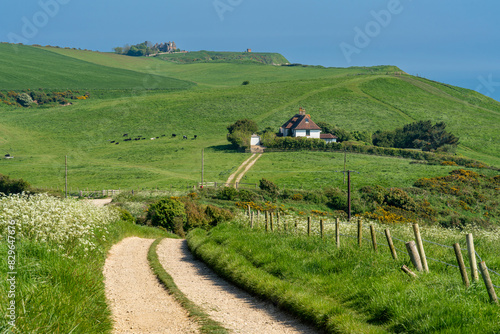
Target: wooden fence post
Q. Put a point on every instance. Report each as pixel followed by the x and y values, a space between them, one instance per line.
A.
pixel 267 222
pixel 337 232
pixel 487 282
pixel 360 232
pixel 321 227
pixel 278 219
pixel 472 257
pixel 248 207
pixel 308 226
pixel 374 237
pixel 420 246
pixel 271 220
pixel 461 264
pixel 415 258
pixel 251 219
pixel 391 244
pixel 408 271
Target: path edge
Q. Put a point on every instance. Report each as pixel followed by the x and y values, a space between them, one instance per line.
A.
pixel 207 325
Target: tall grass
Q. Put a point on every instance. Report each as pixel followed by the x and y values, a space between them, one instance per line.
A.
pixel 59 283
pixel 351 289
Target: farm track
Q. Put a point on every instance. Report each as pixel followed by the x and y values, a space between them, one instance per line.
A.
pixel 242 169
pixel 235 309
pixel 140 304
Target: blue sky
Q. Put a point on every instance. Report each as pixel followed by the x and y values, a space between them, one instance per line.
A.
pixel 455 42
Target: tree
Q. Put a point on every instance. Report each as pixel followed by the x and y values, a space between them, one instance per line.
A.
pixel 164 213
pixel 118 50
pixel 240 133
pixel 245 125
pixel 24 99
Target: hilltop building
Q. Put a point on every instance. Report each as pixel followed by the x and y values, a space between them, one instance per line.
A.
pixel 166 47
pixel 301 125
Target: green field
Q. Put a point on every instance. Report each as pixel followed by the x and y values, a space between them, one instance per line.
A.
pixel 225 57
pixel 150 97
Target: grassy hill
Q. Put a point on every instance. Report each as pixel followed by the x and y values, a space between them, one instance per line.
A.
pixel 352 98
pixel 225 57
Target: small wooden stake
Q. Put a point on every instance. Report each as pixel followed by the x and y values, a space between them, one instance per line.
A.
pixel 391 244
pixel 267 221
pixel 487 282
pixel 360 232
pixel 472 257
pixel 415 258
pixel 321 227
pixel 461 264
pixel 374 237
pixel 408 271
pixel 308 226
pixel 337 232
pixel 271 220
pixel 251 219
pixel 420 246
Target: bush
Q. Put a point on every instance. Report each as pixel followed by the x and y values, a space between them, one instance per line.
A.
pixel 9 186
pixel 195 215
pixel 227 194
pixel 269 187
pixel 217 215
pixel 24 99
pixel 400 199
pixel 163 212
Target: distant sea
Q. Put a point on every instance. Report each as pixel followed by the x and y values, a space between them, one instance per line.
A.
pixel 486 83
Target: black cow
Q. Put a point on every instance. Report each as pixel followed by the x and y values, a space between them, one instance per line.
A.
pixel 112 142
pixel 195 136
pixel 184 137
pixel 174 135
pixel 117 143
pixel 125 135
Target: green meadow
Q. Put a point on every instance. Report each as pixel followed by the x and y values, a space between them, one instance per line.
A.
pixel 150 97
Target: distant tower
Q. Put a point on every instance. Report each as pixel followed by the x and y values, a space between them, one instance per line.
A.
pixel 249 50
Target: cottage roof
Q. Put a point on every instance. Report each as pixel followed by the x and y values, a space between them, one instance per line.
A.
pixel 301 121
pixel 327 136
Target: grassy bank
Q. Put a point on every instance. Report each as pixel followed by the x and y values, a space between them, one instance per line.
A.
pixel 352 290
pixel 60 248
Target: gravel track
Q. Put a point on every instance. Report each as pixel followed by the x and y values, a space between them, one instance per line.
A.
pixel 138 302
pixel 232 307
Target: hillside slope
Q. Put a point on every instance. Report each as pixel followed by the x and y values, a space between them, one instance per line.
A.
pixel 225 57
pixel 354 99
pixel 25 67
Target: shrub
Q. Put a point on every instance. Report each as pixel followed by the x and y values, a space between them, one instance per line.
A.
pixel 195 215
pixel 297 197
pixel 227 193
pixel 10 186
pixel 24 99
pixel 246 82
pixel 247 195
pixel 217 215
pixel 269 187
pixel 400 199
pixel 163 212
pixel 373 193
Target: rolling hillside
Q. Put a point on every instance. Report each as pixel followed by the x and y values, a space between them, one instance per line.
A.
pixel 225 57
pixel 352 98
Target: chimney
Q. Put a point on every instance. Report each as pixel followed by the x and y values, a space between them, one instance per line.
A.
pixel 302 111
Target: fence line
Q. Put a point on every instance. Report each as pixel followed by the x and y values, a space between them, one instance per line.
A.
pixel 428 241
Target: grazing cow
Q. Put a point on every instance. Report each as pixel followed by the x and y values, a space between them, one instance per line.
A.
pixel 184 137
pixel 143 138
pixel 157 137
pixel 163 135
pixel 112 142
pixel 174 135
pixel 125 135
pixel 128 139
pixel 153 138
pixel 195 136
pixel 117 143
pixel 7 155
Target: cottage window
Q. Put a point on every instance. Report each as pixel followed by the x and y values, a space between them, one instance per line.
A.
pixel 308 133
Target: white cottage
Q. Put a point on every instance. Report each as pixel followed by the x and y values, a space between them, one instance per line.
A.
pixel 301 125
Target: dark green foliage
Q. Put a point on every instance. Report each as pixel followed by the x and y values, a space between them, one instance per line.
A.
pixel 217 215
pixel 373 193
pixel 421 134
pixel 400 199
pixel 195 215
pixel 227 193
pixel 342 135
pixel 164 212
pixel 225 57
pixel 11 186
pixel 240 132
pixel 246 82
pixel 126 216
pixel 269 187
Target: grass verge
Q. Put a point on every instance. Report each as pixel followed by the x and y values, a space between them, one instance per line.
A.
pixel 207 325
pixel 347 290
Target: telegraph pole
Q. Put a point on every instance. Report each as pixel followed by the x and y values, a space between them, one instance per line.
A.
pixel 202 165
pixel 66 178
pixel 348 195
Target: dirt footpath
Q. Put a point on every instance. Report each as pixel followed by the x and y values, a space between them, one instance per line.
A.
pixel 233 308
pixel 139 304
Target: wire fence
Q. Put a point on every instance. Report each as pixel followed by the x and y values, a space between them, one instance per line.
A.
pixel 364 227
